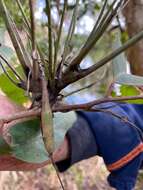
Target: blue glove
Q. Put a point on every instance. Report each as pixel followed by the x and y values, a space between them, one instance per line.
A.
pixel 120 145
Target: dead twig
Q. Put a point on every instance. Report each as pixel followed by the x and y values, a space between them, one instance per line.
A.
pixel 89 105
pixel 24 114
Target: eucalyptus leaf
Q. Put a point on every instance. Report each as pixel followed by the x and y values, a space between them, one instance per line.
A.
pixel 119 63
pixel 27 142
pixel 127 90
pixel 120 68
pixel 129 79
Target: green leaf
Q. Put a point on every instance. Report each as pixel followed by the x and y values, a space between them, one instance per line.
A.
pixel 127 90
pixel 4 147
pixel 13 92
pixel 27 142
pixel 130 91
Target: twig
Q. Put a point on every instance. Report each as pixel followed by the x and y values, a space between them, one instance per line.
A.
pixel 70 32
pixel 57 172
pixel 35 71
pixel 99 23
pixel 13 36
pixel 21 115
pixel 80 89
pixel 65 108
pixel 95 35
pixel 100 15
pixel 50 41
pixel 102 62
pixel 24 51
pixel 59 34
pixel 9 77
pixel 102 25
pixel 12 69
pixel 86 87
pixel 23 14
pixel 89 105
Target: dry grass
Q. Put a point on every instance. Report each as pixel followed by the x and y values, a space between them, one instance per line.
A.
pixel 87 175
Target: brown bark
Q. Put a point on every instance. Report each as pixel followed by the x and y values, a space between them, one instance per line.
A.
pixel 133 13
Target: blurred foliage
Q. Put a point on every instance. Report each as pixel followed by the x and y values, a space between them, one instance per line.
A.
pixel 13 8
pixel 13 92
pixel 130 91
pixel 127 90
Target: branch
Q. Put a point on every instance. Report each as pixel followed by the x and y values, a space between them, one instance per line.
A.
pixel 80 89
pixel 86 87
pixel 95 35
pixel 83 73
pixel 23 14
pixel 35 112
pixel 89 105
pixel 9 77
pixel 12 69
pixel 15 38
pixel 59 34
pixel 48 12
pixel 70 32
pixel 21 115
pixel 100 15
pixel 35 70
